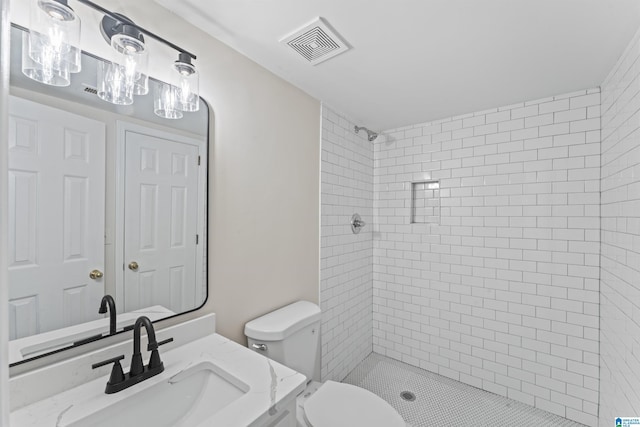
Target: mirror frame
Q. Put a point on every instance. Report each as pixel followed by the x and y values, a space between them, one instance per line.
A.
pixel 206 237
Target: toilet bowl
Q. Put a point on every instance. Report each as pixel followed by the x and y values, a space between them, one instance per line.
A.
pixel 291 336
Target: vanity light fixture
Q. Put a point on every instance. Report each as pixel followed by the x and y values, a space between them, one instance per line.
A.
pixel 125 75
pixel 188 87
pixel 51 53
pixel 169 101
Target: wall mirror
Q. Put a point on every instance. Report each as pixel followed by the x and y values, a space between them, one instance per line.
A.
pixel 103 200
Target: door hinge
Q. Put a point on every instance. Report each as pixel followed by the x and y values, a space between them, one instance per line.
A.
pixel 197 239
pixel 198 160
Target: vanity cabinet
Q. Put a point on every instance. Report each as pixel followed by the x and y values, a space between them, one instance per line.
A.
pixel 285 417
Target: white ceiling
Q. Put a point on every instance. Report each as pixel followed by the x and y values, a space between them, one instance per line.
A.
pixel 418 60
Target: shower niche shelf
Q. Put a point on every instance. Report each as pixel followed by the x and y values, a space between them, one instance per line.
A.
pixel 425 202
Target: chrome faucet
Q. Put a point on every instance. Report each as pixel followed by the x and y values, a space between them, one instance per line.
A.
pixel 138 372
pixel 108 300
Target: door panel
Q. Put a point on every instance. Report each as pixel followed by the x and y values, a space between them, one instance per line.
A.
pixel 23 313
pixel 23 230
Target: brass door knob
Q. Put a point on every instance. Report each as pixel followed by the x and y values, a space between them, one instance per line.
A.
pixel 133 266
pixel 96 274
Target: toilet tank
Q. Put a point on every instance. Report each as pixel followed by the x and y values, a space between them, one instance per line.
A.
pixel 289 335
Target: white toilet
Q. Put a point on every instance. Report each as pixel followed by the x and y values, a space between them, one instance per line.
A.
pixel 291 336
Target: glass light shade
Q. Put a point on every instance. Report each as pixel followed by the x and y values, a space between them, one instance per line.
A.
pixel 42 52
pixel 165 101
pixel 141 85
pixel 113 85
pixel 125 76
pixel 43 73
pixel 188 86
pixel 132 53
pixel 54 40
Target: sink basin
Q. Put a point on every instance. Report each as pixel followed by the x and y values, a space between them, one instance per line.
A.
pixel 185 399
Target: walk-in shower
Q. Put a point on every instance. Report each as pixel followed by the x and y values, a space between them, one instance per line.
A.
pixel 371 136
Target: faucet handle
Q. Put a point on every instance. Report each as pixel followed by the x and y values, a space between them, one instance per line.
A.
pixel 117 375
pixel 163 342
pixel 154 360
pixel 154 345
pixel 106 362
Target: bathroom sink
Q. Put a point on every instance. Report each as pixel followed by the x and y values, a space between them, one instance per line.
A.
pixel 208 381
pixel 187 398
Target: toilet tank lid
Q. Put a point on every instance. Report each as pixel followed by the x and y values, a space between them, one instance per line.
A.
pixel 281 323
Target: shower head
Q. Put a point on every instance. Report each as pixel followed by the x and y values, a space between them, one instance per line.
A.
pixel 371 136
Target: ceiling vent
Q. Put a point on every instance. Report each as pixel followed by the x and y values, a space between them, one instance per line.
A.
pixel 316 42
pixel 91 90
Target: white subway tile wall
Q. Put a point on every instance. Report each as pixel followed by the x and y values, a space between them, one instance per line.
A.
pixel 503 294
pixel 346 258
pixel 620 273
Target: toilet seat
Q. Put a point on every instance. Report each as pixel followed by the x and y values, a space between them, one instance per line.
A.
pixel 345 405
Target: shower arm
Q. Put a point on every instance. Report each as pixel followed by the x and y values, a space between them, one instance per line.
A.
pixel 371 135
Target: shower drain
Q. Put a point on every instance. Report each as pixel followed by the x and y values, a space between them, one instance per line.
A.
pixel 408 396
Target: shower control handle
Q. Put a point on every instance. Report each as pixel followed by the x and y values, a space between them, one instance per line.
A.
pixel 261 347
pixel 357 223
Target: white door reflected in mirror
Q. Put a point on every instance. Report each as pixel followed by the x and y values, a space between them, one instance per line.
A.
pixel 161 224
pixel 56 220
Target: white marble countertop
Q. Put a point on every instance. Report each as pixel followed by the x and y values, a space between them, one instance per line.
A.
pixel 270 385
